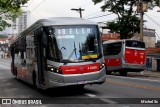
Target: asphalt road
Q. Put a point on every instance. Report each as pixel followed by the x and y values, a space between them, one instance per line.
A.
pixel 135 90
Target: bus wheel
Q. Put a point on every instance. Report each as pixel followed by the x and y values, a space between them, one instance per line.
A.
pixel 123 73
pixel 108 72
pixel 79 87
pixel 16 75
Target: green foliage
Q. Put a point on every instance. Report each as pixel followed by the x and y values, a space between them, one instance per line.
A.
pixel 3 36
pixel 127 22
pixel 9 10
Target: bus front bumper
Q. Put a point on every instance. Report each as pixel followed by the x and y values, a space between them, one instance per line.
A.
pixel 60 80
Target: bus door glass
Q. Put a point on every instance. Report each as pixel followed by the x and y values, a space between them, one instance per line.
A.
pixel 134 52
pixel 112 53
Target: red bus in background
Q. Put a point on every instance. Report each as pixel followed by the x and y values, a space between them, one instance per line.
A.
pixel 124 56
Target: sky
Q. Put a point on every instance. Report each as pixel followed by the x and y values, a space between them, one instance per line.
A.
pixel 62 8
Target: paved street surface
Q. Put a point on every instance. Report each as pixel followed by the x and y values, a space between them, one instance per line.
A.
pixel 117 91
pixel 154 75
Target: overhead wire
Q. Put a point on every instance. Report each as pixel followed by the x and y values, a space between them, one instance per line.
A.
pixel 93 13
pixel 37 6
pixel 154 22
pixel 100 16
pixel 157 35
pixel 30 3
pixel 86 3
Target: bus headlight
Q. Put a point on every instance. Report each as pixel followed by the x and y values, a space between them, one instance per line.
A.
pixel 59 71
pixel 102 65
pixel 126 61
pixel 54 69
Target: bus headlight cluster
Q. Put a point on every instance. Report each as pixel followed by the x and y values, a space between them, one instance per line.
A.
pixel 54 69
pixel 126 61
pixel 102 65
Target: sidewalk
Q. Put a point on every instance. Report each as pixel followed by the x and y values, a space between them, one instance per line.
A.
pixel 9 59
pixel 152 73
pixel 145 73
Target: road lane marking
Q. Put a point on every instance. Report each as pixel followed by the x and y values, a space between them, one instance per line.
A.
pixel 136 78
pixel 102 99
pixel 90 95
pixel 7 60
pixel 5 67
pixel 108 101
pixel 134 85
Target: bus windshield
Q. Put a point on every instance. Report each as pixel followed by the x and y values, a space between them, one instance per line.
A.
pixel 74 43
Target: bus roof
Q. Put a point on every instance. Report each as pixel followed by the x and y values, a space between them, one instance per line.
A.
pixel 64 21
pixel 55 21
pixel 122 40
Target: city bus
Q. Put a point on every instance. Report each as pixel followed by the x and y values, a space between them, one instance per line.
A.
pixel 57 52
pixel 124 56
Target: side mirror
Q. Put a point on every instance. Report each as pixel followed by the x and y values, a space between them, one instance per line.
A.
pixel 101 33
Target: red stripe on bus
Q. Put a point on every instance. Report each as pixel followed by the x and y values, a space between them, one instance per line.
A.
pixel 113 62
pixel 80 69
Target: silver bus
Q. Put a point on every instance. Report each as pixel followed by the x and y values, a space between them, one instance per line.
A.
pixel 57 52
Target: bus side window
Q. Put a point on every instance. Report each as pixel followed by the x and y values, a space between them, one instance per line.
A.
pixel 112 49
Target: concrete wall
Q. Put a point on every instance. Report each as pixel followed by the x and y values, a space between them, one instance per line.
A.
pixel 149 41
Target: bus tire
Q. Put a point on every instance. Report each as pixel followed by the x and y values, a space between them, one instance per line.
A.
pixel 16 74
pixel 123 73
pixel 108 72
pixel 79 87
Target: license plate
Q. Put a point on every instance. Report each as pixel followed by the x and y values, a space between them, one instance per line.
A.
pixel 82 82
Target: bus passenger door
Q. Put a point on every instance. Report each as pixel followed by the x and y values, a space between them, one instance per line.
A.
pixel 41 59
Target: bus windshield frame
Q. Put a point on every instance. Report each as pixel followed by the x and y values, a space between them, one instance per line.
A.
pixel 73 43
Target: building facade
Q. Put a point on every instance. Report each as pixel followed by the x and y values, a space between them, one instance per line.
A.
pixel 149 37
pixel 22 22
pixel 4 49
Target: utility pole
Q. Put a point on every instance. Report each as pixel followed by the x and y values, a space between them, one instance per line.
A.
pixel 141 8
pixel 79 11
pixel 141 19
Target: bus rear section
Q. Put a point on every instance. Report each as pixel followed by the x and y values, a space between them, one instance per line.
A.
pixel 124 56
pixel 134 58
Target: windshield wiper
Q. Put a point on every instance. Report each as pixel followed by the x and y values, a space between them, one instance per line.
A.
pixel 74 51
pixel 68 59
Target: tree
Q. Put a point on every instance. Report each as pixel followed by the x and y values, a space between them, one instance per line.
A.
pixel 127 22
pixel 9 10
pixel 3 36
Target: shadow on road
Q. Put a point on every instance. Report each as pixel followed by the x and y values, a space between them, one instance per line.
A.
pixel 144 74
pixel 24 89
